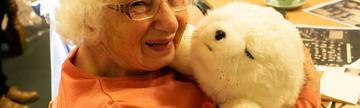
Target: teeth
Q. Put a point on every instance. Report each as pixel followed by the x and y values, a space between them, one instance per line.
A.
pixel 151 43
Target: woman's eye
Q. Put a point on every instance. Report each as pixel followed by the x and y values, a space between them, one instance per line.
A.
pixel 139 7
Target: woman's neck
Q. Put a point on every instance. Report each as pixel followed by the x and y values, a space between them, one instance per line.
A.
pixel 95 62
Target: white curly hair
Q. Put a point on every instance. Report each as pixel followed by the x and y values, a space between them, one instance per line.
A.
pixel 76 18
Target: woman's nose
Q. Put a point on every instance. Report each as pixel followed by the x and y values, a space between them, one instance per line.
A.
pixel 165 19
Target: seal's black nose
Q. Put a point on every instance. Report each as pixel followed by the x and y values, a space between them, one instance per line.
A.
pixel 220 35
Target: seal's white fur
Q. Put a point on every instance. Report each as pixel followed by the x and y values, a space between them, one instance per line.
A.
pixel 272 79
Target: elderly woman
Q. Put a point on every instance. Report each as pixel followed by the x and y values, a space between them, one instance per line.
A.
pixel 123 49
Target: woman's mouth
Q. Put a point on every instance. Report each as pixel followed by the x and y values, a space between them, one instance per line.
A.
pixel 159 45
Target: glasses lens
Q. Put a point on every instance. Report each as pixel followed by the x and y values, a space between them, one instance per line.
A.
pixel 144 9
pixel 179 5
pixel 140 9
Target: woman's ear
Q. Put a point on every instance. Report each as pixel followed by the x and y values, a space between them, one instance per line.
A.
pixel 91 34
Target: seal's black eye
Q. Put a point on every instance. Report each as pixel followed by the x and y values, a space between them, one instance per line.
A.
pixel 220 35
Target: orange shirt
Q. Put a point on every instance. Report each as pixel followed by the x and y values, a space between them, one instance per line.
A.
pixel 79 89
pixel 308 98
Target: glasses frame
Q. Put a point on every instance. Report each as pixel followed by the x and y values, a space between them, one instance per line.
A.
pixel 124 8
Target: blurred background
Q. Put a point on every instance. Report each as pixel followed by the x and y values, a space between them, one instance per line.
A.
pixel 26 50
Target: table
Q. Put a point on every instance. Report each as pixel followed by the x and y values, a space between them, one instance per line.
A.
pixel 297 16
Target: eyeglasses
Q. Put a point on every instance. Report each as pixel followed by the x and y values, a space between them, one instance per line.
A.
pixel 145 9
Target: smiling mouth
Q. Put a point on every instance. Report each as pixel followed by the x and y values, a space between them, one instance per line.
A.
pixel 157 43
pixel 248 54
pixel 208 47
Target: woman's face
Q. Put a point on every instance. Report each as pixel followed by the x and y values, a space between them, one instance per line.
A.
pixel 144 45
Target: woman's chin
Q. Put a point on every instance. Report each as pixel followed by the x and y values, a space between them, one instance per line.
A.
pixel 157 64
